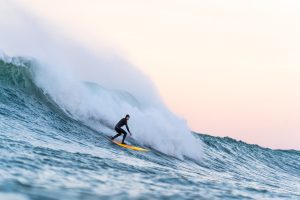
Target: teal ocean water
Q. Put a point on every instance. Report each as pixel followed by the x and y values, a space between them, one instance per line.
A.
pixel 47 152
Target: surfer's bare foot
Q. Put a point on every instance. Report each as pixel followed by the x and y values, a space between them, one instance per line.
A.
pixel 112 138
pixel 123 143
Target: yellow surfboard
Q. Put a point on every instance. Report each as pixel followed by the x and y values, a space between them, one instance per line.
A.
pixel 129 146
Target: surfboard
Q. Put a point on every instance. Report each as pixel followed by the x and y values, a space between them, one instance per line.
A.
pixel 129 146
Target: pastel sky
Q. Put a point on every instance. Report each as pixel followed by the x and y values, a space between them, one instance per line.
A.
pixel 230 68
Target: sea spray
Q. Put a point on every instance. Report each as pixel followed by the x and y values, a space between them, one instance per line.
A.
pixel 62 67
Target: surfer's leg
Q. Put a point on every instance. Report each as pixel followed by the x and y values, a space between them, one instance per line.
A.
pixel 119 132
pixel 114 137
pixel 124 135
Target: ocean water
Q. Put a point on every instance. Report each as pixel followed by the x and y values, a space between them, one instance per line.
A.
pixel 47 152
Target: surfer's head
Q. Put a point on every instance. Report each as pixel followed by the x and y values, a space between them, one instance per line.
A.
pixel 127 117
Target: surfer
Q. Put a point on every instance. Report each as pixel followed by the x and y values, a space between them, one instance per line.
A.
pixel 121 131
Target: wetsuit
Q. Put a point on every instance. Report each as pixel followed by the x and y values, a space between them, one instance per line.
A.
pixel 121 131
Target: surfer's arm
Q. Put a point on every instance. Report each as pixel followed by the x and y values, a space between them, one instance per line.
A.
pixel 128 129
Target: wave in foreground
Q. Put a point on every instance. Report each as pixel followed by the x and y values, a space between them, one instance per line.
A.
pixel 51 151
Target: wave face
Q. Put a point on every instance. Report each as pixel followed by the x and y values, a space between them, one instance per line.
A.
pixel 53 145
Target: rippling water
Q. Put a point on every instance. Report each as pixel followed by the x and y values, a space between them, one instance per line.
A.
pixel 46 154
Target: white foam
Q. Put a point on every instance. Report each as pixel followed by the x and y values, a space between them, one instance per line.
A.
pixel 12 196
pixel 121 87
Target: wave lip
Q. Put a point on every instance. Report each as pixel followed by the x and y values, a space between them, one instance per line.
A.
pixel 16 71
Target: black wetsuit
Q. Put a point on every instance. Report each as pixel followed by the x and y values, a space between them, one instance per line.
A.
pixel 121 131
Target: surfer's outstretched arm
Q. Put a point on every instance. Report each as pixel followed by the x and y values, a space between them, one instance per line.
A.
pixel 128 129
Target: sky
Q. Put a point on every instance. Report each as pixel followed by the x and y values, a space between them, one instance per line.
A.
pixel 230 68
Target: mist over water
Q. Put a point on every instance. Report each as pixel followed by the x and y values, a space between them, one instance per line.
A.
pixel 63 68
